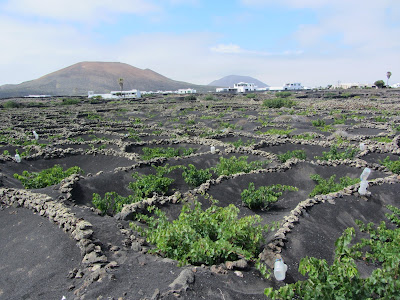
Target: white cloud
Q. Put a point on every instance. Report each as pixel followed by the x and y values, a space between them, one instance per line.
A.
pixel 80 10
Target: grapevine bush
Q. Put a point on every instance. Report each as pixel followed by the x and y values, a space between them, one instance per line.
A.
pixel 334 154
pixel 233 165
pixel 300 154
pixel 195 177
pixel 47 177
pixel 393 166
pixel 342 280
pixel 149 153
pixel 200 236
pixel 264 196
pixel 324 186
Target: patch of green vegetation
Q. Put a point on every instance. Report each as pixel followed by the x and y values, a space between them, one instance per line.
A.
pixel 47 177
pixel 149 153
pixel 240 143
pixel 233 165
pixel 190 122
pixel 11 104
pixel 251 96
pixel 324 186
pixel 93 116
pixel 305 136
pixel 144 187
pixel 77 139
pixel 382 139
pixel 340 120
pixel 318 123
pixel 6 152
pixel 284 94
pixel 133 135
pixel 278 103
pixel 210 236
pixel 381 119
pixel 334 154
pixel 70 101
pixel 207 117
pixel 190 97
pixel 276 131
pixel 392 165
pixel 342 280
pixel 264 196
pixel 195 177
pixel 300 154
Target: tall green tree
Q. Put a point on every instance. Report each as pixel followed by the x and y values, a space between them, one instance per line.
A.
pixel 379 83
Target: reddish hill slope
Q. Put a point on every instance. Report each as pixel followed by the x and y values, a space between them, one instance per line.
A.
pixel 100 77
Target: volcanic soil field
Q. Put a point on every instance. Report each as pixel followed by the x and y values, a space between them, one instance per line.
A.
pixel 54 242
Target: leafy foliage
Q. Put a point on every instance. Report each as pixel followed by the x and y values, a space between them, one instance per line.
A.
pixel 47 177
pixel 240 143
pixel 300 154
pixel 305 136
pixel 70 101
pixel 283 94
pixel 318 123
pixel 278 103
pixel 324 186
pixel 393 166
pixel 334 154
pixel 149 153
pixel 204 237
pixel 143 187
pixel 264 196
pixel 342 280
pixel 195 177
pixel 233 165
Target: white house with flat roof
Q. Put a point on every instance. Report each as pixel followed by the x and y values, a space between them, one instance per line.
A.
pixel 241 87
pixel 186 91
pixel 132 94
pixel 292 86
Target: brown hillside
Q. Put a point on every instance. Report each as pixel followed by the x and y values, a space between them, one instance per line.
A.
pixel 100 77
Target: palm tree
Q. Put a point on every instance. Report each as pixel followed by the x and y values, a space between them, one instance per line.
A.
pixel 121 83
pixel 388 74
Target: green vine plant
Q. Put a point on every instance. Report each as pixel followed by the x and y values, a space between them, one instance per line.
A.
pixel 392 165
pixel 195 177
pixel 144 187
pixel 149 153
pixel 264 196
pixel 240 143
pixel 300 154
pixel 233 165
pixel 47 177
pixel 334 154
pixel 342 279
pixel 198 236
pixel 326 186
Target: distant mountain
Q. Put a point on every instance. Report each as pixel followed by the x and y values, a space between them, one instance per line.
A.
pixel 100 77
pixel 229 81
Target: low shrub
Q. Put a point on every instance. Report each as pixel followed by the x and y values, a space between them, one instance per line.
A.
pixel 233 165
pixel 283 94
pixel 11 104
pixel 210 236
pixel 334 154
pixel 342 280
pixel 70 101
pixel 149 153
pixel 190 97
pixel 264 196
pixel 300 154
pixel 240 143
pixel 393 166
pixel 278 103
pixel 318 123
pixel 195 177
pixel 324 186
pixel 47 177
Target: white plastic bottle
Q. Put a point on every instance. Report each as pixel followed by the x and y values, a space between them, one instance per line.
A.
pixel 280 269
pixel 363 188
pixel 212 149
pixel 17 158
pixel 35 135
pixel 362 147
pixel 365 173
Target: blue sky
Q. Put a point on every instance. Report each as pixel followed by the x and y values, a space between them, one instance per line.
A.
pixel 315 42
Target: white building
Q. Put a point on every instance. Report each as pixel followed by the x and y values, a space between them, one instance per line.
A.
pixel 241 87
pixel 292 86
pixel 395 86
pixel 186 91
pixel 132 94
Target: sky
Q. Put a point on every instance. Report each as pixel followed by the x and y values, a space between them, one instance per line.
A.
pixel 314 42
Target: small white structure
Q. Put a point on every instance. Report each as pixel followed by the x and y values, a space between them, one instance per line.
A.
pixel 395 86
pixel 132 94
pixel 292 86
pixel 241 87
pixel 186 91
